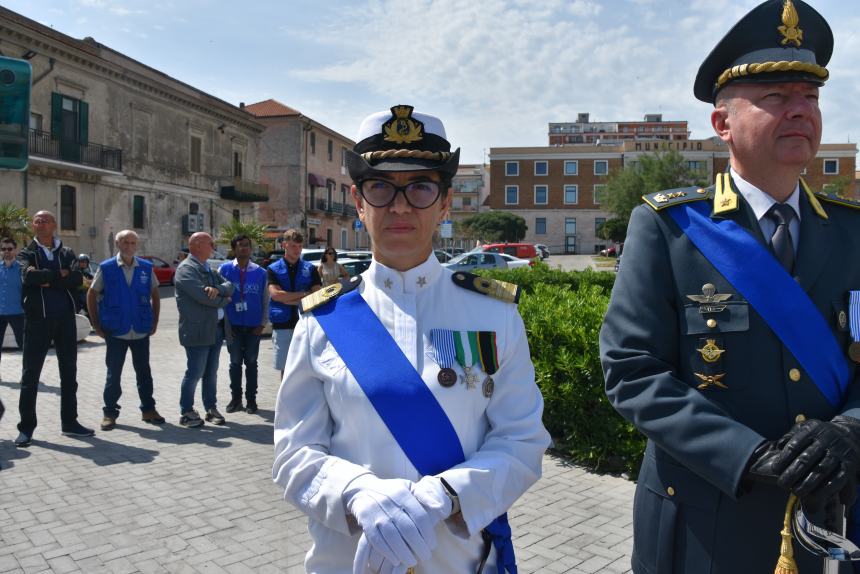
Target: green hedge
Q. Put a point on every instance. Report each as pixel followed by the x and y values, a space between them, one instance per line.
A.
pixel 563 312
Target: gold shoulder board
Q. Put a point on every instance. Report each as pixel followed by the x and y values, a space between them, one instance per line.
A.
pixel 329 293
pixel 501 290
pixel 833 198
pixel 663 199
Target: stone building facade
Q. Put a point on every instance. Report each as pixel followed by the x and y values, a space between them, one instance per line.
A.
pixel 303 165
pixel 115 144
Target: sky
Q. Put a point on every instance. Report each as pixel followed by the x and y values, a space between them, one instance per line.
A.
pixel 495 71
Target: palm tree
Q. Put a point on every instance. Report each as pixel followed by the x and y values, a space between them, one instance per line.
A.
pixel 255 231
pixel 14 222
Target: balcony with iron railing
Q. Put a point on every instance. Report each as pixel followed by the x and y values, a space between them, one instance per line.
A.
pixel 43 144
pixel 333 208
pixel 238 189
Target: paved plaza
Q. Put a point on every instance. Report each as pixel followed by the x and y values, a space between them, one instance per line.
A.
pixel 144 498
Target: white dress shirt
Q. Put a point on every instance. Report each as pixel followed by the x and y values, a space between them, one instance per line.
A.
pixel 761 202
pixel 327 432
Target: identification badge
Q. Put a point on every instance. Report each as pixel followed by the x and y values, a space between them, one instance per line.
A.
pixel 241 306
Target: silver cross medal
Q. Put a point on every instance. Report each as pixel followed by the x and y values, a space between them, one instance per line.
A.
pixel 470 378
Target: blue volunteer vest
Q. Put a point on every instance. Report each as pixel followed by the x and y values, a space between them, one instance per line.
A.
pixel 251 293
pixel 125 306
pixel 279 312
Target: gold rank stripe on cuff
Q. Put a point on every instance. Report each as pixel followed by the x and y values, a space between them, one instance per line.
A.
pixel 663 199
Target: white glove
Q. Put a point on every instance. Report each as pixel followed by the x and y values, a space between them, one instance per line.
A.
pixel 369 560
pixel 395 524
pixel 433 497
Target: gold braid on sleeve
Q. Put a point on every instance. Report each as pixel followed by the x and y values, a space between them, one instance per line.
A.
pixel 742 70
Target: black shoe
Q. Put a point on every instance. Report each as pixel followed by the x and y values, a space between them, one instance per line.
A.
pixel 251 408
pixel 23 440
pixel 234 405
pixel 77 429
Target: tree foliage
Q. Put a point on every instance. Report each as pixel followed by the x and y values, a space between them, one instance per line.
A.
pixel 651 173
pixel 613 230
pixel 255 231
pixel 14 222
pixel 843 186
pixel 494 226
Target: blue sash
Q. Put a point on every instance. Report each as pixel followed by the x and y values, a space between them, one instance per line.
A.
pixel 772 292
pixel 402 399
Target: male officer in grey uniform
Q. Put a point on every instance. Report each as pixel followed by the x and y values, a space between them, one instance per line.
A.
pixel 727 340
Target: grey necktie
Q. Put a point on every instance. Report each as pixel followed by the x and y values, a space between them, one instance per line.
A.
pixel 783 247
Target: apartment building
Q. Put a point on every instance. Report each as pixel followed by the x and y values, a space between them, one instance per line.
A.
pixel 560 191
pixel 116 144
pixel 303 163
pixel 585 132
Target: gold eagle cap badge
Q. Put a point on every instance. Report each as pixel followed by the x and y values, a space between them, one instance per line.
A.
pixel 789 29
pixel 402 128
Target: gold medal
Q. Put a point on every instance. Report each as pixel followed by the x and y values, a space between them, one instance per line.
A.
pixel 710 352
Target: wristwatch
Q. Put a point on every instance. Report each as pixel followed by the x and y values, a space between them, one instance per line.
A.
pixel 452 494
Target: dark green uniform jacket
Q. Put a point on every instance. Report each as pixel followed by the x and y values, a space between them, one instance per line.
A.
pixel 691 513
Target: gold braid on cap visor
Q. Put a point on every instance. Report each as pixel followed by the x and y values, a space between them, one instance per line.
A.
pixel 373 156
pixel 768 67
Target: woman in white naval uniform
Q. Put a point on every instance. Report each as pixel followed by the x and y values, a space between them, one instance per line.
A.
pixel 369 508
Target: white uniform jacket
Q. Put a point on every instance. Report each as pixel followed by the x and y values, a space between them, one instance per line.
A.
pixel 327 432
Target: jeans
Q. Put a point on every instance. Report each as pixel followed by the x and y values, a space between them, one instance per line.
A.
pixel 245 346
pixel 114 360
pixel 17 324
pixel 38 334
pixel 202 363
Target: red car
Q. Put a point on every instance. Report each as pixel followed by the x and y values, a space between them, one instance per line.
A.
pixel 163 270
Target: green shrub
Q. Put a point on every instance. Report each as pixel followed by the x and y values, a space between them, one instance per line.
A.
pixel 563 312
pixel 543 274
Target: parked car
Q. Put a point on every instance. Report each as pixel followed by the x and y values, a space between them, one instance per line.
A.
pixel 543 250
pixel 516 262
pixel 470 261
pixel 216 260
pixel 312 255
pixel 357 254
pixel 442 255
pixel 612 250
pixel 272 257
pixel 163 270
pixel 355 266
pixel 82 329
pixel 521 250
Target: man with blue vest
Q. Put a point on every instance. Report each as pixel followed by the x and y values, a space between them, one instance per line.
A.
pixel 123 303
pixel 733 333
pixel 247 311
pixel 290 279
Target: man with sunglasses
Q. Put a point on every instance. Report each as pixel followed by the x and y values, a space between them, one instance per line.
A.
pixel 408 420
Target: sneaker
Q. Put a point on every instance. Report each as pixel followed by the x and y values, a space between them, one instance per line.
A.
pixel 234 405
pixel 190 419
pixel 108 423
pixel 77 429
pixel 23 440
pixel 214 417
pixel 251 408
pixel 152 417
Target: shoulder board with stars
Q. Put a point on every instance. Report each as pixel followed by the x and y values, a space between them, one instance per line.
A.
pixel 833 198
pixel 502 290
pixel 329 293
pixel 667 198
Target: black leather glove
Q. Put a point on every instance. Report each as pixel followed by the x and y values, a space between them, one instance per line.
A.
pixel 821 460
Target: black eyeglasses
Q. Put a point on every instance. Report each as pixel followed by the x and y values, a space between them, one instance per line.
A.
pixel 7 249
pixel 418 194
